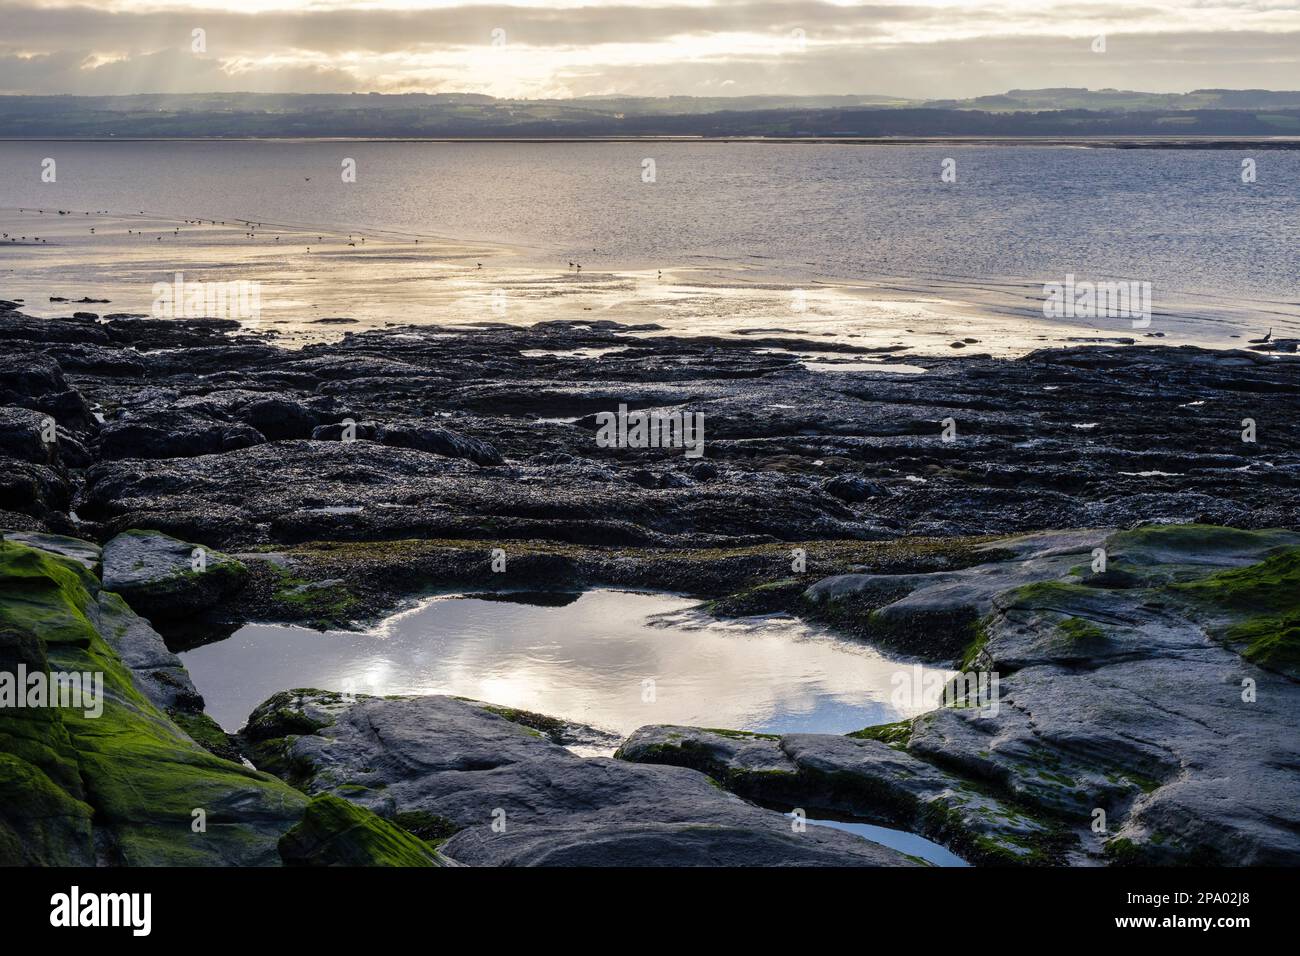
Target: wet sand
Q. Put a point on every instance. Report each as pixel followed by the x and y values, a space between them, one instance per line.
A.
pixel 317 283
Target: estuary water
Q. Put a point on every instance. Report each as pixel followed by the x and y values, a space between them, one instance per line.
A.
pixel 838 239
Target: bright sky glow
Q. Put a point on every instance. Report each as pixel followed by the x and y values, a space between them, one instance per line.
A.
pixel 560 48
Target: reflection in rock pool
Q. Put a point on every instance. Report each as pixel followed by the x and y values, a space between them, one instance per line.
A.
pixel 614 659
pixel 901 840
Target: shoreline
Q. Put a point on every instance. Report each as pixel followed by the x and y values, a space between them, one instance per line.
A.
pixel 316 280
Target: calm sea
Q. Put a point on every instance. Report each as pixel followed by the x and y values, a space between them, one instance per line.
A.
pixel 1181 219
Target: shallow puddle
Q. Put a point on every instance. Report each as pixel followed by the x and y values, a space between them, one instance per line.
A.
pixel 617 660
pixel 863 366
pixel 901 840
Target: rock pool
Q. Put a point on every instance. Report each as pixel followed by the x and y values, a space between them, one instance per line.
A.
pixel 614 659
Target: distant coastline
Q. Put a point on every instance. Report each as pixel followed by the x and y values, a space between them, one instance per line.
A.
pixel 1105 116
pixel 1083 142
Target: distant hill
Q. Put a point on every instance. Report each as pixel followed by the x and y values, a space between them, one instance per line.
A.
pixel 1017 113
pixel 1067 98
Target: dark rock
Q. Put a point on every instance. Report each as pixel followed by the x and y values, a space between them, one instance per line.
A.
pixel 440 441
pixel 37 382
pixel 850 488
pixel 20 437
pixel 334 832
pixel 166 578
pixel 364 431
pixel 1041 441
pixel 274 415
pixel 38 490
pixel 17 326
pixel 172 434
pixel 442 758
pixel 98 360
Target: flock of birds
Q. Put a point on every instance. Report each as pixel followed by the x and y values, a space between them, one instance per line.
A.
pixel 251 233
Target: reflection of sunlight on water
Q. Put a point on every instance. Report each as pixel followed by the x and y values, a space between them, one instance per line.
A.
pixel 818 240
pixel 438 282
pixel 616 660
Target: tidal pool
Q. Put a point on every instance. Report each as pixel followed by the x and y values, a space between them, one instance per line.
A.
pixel 616 660
pixel 901 840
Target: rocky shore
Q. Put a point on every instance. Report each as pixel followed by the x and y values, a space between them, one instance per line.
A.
pixel 165 482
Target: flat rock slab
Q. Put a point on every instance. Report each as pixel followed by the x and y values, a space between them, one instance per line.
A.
pixel 87 553
pixel 443 759
pixel 860 777
pixel 162 576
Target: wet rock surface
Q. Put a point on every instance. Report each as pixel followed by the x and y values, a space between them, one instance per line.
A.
pixel 490 432
pixel 866 778
pixel 1160 692
pixel 165 577
pixel 345 476
pixel 512 797
pixel 116 780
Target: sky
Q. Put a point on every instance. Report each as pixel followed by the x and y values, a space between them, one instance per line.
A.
pixel 561 48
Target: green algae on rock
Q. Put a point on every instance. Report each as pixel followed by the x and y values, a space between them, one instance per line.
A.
pixel 123 787
pixel 1120 691
pixel 1255 609
pixel 163 577
pixel 334 832
pixel 440 764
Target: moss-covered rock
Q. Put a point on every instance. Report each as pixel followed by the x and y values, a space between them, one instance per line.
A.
pixel 86 552
pixel 896 734
pixel 207 733
pixel 46 596
pixel 334 832
pixel 324 604
pixel 44 816
pixel 164 578
pixel 121 786
pixel 1255 609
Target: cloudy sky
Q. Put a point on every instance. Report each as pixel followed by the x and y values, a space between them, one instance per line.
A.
pixel 559 48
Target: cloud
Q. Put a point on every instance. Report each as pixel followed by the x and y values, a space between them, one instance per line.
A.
pixel 163 71
pixel 942 49
pixel 375 30
pixel 973 67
